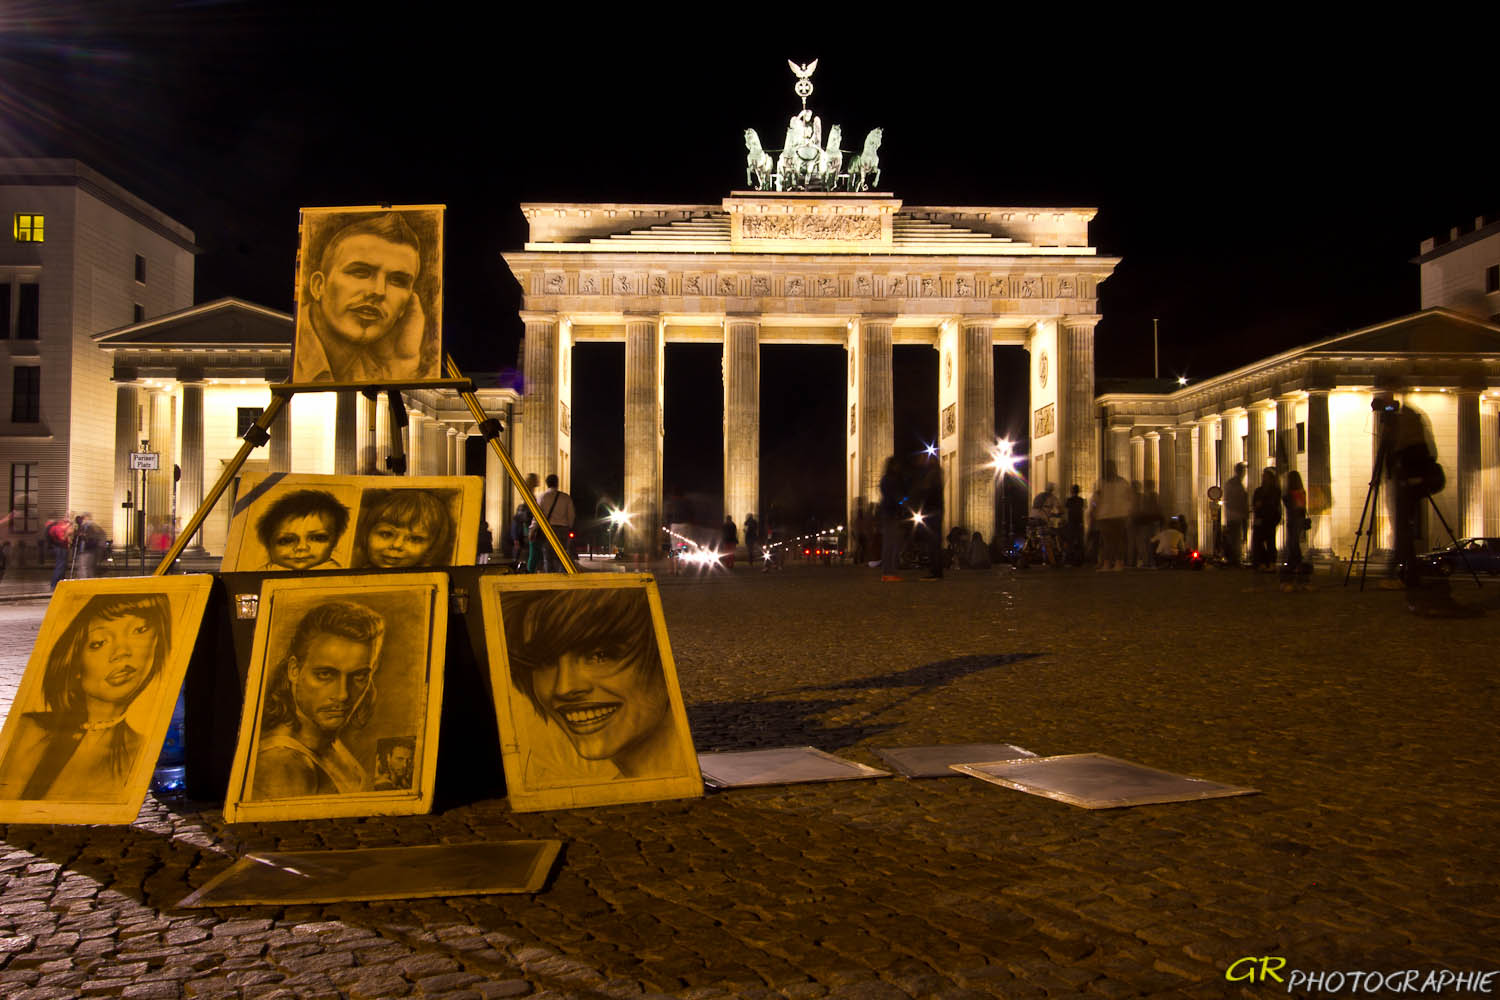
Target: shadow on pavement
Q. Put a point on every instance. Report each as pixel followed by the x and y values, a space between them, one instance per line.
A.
pixel 759 725
pixel 929 676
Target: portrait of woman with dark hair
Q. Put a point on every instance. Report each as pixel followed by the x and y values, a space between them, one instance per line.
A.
pixel 301 529
pixel 401 528
pixel 324 686
pixel 81 748
pixel 588 663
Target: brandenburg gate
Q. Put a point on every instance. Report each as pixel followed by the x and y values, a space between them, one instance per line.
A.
pixel 800 258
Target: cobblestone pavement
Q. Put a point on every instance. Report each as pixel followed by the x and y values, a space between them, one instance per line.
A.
pixel 1369 731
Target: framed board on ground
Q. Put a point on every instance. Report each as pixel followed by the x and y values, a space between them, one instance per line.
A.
pixel 84 732
pixel 343 698
pixel 586 693
pixel 297 522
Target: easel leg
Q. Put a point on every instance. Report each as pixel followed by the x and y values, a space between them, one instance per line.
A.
pixel 490 429
pixel 255 436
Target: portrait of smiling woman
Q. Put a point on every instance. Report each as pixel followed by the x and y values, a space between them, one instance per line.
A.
pixel 595 704
pixel 81 747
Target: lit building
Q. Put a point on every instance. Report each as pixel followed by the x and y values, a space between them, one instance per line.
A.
pixel 1309 409
pixel 1461 271
pixel 107 357
pixel 82 255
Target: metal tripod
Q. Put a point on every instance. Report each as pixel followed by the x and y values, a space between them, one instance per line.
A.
pixel 1372 497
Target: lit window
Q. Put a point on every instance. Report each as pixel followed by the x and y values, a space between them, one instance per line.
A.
pixel 245 416
pixel 29 228
pixel 23 498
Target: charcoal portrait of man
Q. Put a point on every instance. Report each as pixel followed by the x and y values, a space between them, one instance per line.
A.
pixel 368 296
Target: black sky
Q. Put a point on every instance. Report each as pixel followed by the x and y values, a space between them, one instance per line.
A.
pixel 1266 184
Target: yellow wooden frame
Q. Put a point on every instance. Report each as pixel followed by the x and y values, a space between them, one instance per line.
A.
pixel 149 713
pixel 521 727
pixel 282 597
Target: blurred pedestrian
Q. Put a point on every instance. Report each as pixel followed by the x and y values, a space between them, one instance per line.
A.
pixel 486 544
pixel 1265 514
pixel 89 539
pixel 1072 530
pixel 892 499
pixel 1113 518
pixel 59 532
pixel 1295 500
pixel 729 541
pixel 752 540
pixel 533 533
pixel 979 553
pixel 1145 521
pixel 1236 512
pixel 861 532
pixel 931 510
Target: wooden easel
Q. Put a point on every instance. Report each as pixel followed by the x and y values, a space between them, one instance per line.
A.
pixel 259 433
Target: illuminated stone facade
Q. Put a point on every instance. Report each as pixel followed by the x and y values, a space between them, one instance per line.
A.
pixel 1309 409
pixel 860 271
pixel 189 382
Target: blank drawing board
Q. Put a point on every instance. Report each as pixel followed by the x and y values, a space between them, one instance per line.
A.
pixel 288 877
pixel 1098 781
pixel 782 766
pixel 938 761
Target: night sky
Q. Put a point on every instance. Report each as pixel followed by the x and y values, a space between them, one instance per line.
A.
pixel 1265 185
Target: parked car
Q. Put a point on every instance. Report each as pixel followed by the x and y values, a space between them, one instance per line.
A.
pixel 1482 555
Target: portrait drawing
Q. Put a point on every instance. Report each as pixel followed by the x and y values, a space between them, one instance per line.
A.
pixel 343 698
pixel 408 527
pixel 83 734
pixel 285 522
pixel 586 693
pixel 369 295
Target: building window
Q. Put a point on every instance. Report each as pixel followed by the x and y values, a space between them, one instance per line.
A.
pixel 28 228
pixel 23 498
pixel 1492 278
pixel 1301 438
pixel 140 269
pixel 4 311
pixel 139 312
pixel 26 395
pixel 1271 445
pixel 245 416
pixel 29 313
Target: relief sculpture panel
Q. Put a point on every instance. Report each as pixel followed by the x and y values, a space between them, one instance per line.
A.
pixel 809 227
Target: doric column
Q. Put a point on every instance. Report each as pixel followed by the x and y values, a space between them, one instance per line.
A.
pixel 190 489
pixel 280 445
pixel 127 439
pixel 160 430
pixel 1137 474
pixel 1229 445
pixel 645 346
pixel 1166 473
pixel 1320 500
pixel 415 454
pixel 382 423
pixel 346 434
pixel 1285 458
pixel 1470 482
pixel 495 510
pixel 369 435
pixel 1208 475
pixel 461 466
pixel 974 492
pixel 541 372
pixel 1151 462
pixel 1183 494
pixel 1078 455
pixel 741 418
pixel 451 468
pixel 872 429
pixel 1119 450
pixel 1256 457
pixel 435 444
pixel 1489 460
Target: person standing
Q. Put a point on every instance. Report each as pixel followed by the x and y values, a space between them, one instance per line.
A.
pixel 1073 526
pixel 730 541
pixel 1295 500
pixel 1236 513
pixel 1265 510
pixel 891 497
pixel 752 539
pixel 533 533
pixel 90 541
pixel 932 516
pixel 60 537
pixel 557 507
pixel 486 544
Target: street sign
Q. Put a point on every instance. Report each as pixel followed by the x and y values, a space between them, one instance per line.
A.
pixel 145 461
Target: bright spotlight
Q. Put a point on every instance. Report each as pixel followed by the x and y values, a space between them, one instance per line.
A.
pixel 619 518
pixel 930 450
